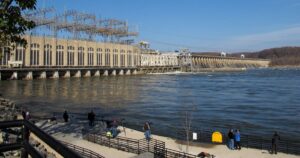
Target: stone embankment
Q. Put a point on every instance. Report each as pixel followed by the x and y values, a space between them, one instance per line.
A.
pixel 8 110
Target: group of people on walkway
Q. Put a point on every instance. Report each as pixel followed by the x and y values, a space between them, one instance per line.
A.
pixel 234 136
pixel 91 117
pixel 234 139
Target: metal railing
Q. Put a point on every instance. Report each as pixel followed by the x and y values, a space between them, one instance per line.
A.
pixel 125 144
pixel 138 146
pixel 169 153
pixel 28 127
pixel 248 141
pixel 83 151
pixel 40 68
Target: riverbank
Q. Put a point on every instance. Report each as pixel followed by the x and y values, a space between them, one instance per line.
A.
pixel 286 67
pixel 8 109
pixel 74 131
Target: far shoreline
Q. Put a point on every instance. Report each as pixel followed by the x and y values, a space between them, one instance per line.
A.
pixel 285 66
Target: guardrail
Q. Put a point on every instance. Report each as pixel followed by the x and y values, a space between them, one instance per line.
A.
pixel 83 151
pixel 28 127
pixel 138 146
pixel 40 68
pixel 125 144
pixel 169 153
pixel 247 141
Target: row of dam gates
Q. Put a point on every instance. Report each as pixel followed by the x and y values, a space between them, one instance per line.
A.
pixel 186 63
pixel 196 62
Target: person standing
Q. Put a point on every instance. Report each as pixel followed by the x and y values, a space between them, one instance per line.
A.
pixel 114 127
pixel 23 114
pixel 91 118
pixel 66 116
pixel 231 139
pixel 275 140
pixel 237 139
pixel 147 131
pixel 27 116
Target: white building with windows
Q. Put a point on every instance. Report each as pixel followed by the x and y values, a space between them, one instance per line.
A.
pixel 155 58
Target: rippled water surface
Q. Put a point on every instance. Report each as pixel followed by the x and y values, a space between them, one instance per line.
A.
pixel 256 101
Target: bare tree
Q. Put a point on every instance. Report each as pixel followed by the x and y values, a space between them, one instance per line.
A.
pixel 186 126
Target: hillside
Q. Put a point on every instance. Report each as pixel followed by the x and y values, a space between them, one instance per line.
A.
pixel 284 56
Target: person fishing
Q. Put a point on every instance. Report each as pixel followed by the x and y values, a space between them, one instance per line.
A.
pixel 66 116
pixel 91 118
pixel 275 141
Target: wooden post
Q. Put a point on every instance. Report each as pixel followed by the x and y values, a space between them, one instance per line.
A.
pixel 138 147
pixel 25 135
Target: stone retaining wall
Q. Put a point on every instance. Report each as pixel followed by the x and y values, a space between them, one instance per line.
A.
pixel 8 110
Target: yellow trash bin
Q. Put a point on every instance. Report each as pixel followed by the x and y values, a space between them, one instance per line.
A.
pixel 217 137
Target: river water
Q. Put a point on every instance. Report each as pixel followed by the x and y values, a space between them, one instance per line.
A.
pixel 256 101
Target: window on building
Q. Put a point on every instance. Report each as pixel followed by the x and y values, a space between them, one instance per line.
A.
pixel 80 56
pixel 107 57
pixel 70 57
pixel 20 53
pixel 5 56
pixel 129 58
pixel 99 56
pixel 59 55
pixel 122 57
pixel 47 55
pixel 90 56
pixel 115 57
pixel 34 54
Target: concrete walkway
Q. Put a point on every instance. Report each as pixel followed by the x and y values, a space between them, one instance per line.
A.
pixel 72 132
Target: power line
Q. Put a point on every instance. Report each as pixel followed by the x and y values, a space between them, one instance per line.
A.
pixel 180 45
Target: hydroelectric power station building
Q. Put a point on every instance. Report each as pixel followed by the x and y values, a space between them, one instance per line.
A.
pixel 81 45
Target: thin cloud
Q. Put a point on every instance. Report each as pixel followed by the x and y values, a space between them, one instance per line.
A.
pixel 296 4
pixel 286 34
pixel 255 41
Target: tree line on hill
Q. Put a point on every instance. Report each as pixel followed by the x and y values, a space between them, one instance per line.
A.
pixel 284 56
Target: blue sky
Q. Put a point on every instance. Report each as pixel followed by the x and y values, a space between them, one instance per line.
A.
pixel 201 25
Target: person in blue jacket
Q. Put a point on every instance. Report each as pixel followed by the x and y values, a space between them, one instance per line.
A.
pixel 147 131
pixel 237 139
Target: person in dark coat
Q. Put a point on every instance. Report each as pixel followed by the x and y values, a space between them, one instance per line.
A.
pixel 231 139
pixel 66 116
pixel 91 118
pixel 23 114
pixel 275 141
